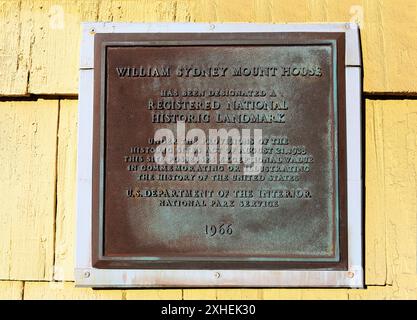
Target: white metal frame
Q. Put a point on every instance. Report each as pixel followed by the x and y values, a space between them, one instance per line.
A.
pixel 87 276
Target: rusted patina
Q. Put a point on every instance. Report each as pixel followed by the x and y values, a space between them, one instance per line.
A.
pixel 291 215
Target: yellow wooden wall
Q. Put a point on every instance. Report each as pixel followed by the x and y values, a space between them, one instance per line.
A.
pixel 39 54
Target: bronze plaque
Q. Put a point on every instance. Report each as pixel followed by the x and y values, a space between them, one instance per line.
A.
pixel 216 213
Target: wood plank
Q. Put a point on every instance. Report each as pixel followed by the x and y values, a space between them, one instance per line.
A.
pixel 400 190
pixel 45 48
pixel 153 294
pixel 372 293
pixel 306 294
pixel 27 188
pixel 11 290
pixel 66 291
pixel 200 294
pixel 239 294
pixel 66 191
pixel 15 43
pixel 375 218
pixel 391 202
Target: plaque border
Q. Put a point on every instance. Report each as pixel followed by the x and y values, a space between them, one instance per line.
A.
pixel 87 275
pixel 338 260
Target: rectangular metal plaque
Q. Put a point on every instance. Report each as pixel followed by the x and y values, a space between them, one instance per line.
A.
pixel 220 151
pixel 291 213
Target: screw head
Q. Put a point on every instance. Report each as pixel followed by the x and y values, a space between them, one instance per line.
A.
pixel 217 275
pixel 92 31
pixel 351 274
pixel 86 274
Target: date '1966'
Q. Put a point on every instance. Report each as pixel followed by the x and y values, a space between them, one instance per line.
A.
pixel 219 230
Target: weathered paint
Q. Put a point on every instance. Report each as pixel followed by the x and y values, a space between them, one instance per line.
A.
pixel 38 139
pixel 66 189
pixel 199 294
pixel 397 160
pixel 297 294
pixel 375 224
pixel 11 290
pixel 41 44
pixel 27 190
pixel 66 290
pixel 151 294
